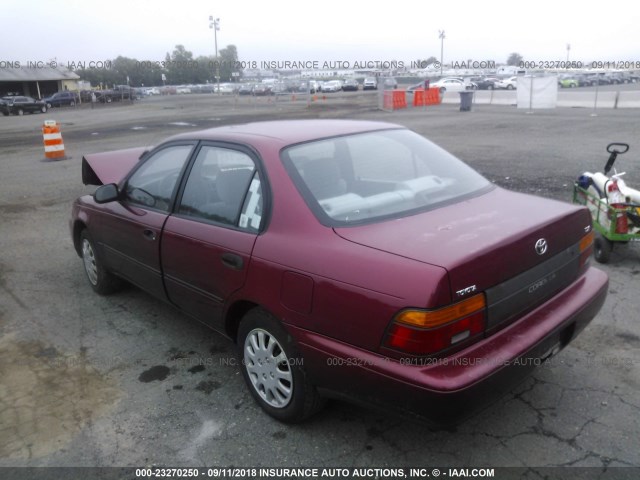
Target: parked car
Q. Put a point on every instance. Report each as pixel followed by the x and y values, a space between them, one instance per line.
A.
pixel 19 105
pixel 389 83
pixel 599 79
pixel 345 258
pixel 245 89
pixel 584 80
pixel 370 83
pixel 568 81
pixel 507 83
pixel 485 83
pixel 450 85
pixel 332 86
pixel 350 85
pixel 262 89
pixel 152 91
pixel 61 98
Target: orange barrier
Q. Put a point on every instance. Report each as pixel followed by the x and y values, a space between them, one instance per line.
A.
pixel 53 144
pixel 418 98
pixel 432 96
pixel 399 99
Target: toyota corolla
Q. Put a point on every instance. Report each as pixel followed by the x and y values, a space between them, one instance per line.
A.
pixel 345 259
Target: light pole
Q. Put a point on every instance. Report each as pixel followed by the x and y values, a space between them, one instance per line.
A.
pixel 441 36
pixel 215 25
pixel 568 50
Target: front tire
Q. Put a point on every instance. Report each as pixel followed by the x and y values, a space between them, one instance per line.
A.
pixel 273 369
pixel 100 279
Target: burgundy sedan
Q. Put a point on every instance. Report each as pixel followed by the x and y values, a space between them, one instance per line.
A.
pixel 345 258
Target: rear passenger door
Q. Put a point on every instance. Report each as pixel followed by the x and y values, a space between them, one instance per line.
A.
pixel 207 242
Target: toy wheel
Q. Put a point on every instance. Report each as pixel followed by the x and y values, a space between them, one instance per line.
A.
pixel 602 248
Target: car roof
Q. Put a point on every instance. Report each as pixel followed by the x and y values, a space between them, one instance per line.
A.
pixel 285 132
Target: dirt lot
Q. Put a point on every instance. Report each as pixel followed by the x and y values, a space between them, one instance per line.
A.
pixel 127 381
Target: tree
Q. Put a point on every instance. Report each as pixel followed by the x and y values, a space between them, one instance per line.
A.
pixel 229 56
pixel 180 66
pixel 514 59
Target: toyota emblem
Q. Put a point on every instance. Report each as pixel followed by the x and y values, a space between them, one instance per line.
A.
pixel 541 246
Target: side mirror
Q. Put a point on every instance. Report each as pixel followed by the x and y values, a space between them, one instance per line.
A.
pixel 106 193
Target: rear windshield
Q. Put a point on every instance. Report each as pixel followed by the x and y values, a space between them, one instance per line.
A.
pixel 377 175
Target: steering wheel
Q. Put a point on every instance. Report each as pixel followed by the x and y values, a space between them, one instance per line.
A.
pixel 611 147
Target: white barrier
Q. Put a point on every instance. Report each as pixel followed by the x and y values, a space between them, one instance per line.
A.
pixel 573 98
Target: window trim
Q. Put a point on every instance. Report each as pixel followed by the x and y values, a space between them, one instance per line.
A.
pixel 259 169
pixel 147 157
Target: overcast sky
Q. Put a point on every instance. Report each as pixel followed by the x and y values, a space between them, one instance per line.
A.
pixel 85 30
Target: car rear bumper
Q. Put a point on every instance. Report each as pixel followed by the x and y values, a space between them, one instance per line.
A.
pixel 445 390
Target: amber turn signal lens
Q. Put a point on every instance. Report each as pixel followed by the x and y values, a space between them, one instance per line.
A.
pixel 586 241
pixel 435 318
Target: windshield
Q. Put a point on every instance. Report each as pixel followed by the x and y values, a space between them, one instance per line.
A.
pixel 375 175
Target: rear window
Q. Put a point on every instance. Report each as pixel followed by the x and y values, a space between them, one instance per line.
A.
pixel 377 175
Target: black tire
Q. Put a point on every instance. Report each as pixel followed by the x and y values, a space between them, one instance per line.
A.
pixel 99 278
pixel 20 112
pixel 509 87
pixel 602 248
pixel 292 398
pixel 72 103
pixel 489 87
pixel 442 89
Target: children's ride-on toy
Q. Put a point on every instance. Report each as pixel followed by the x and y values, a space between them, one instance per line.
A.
pixel 615 207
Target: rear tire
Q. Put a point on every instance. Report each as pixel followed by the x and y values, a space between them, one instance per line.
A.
pixel 602 248
pixel 102 281
pixel 273 369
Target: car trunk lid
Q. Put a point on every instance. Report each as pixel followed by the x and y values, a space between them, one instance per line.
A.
pixel 518 249
pixel 110 167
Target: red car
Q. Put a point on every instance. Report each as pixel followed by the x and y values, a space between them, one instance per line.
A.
pixel 345 258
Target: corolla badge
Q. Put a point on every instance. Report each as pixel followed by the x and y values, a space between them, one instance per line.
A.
pixel 541 246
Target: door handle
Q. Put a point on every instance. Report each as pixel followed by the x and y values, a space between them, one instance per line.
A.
pixel 149 234
pixel 232 260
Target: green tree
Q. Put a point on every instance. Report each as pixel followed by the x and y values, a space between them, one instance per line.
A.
pixel 514 59
pixel 179 66
pixel 228 63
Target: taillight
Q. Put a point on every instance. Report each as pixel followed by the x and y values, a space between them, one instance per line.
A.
pixel 586 248
pixel 428 332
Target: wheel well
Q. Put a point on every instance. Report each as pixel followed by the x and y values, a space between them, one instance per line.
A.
pixel 78 227
pixel 234 315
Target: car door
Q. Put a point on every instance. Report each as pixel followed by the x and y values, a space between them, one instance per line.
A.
pixel 207 242
pixel 129 232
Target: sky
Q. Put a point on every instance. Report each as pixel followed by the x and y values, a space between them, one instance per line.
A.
pixel 320 30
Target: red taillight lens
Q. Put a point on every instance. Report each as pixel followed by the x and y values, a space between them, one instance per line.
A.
pixel 427 332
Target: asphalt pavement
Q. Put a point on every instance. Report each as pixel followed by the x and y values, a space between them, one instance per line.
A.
pixel 125 380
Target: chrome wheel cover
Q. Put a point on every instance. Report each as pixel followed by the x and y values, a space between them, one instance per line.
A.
pixel 89 259
pixel 268 368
